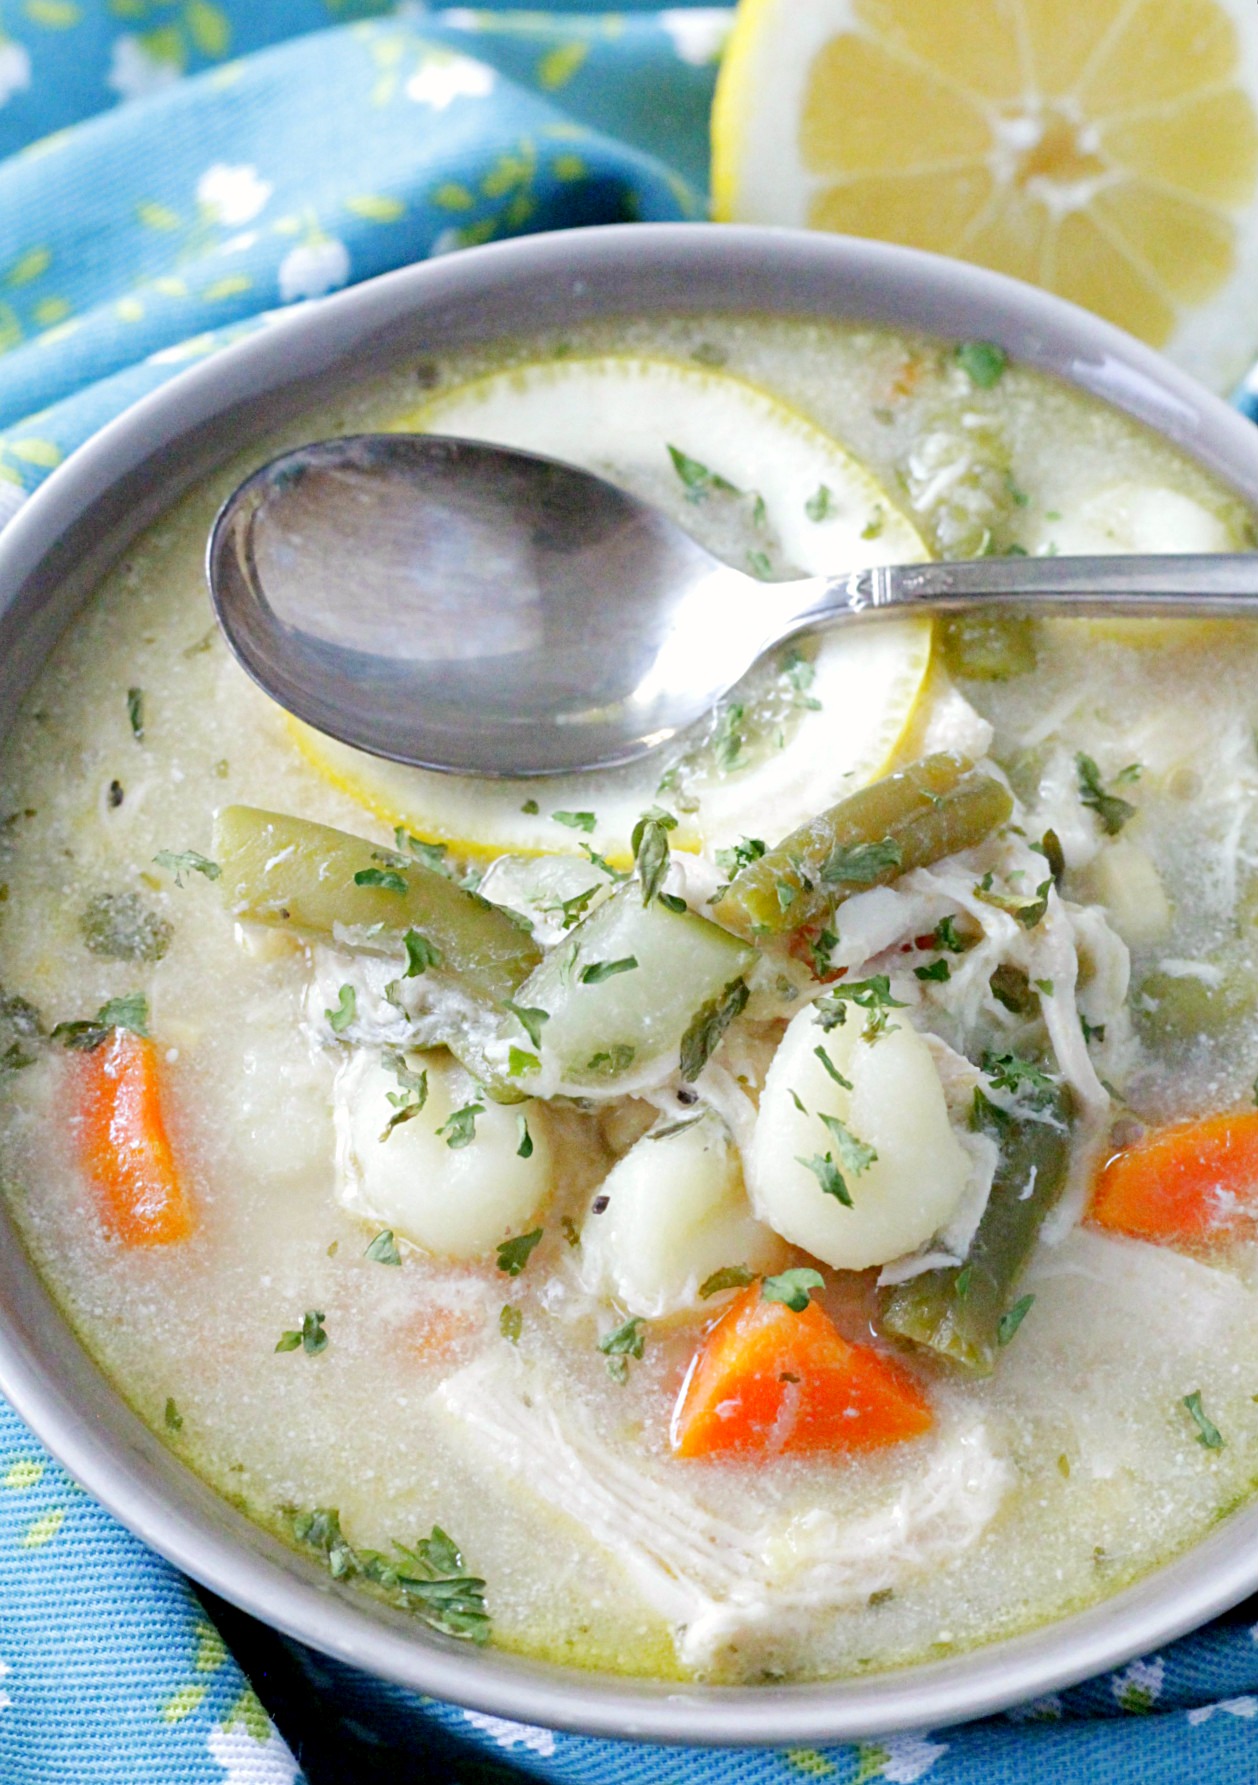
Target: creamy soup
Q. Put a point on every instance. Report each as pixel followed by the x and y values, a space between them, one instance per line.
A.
pixel 781 1209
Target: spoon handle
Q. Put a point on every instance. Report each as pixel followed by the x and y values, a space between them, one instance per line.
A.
pixel 1222 585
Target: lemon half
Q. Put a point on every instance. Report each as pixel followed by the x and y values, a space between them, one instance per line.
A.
pixel 756 480
pixel 1104 149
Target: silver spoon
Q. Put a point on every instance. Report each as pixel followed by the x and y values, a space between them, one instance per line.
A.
pixel 463 607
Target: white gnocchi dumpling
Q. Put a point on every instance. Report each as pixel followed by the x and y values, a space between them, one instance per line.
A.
pixel 675 1212
pixel 919 1171
pixel 455 1201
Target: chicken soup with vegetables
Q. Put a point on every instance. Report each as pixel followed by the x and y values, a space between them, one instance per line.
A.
pixel 778 1209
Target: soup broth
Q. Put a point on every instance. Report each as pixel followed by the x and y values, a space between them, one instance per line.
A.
pixel 743 1429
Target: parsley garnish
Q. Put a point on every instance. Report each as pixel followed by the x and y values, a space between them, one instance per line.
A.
pixel 1021 1078
pixel 571 1232
pixel 731 862
pixel 618 1347
pixel 821 505
pixel 708 1025
pixel 728 739
pixel 430 1579
pixel 938 971
pixel 602 864
pixel 421 954
pixel 172 1416
pixel 187 861
pixel 135 713
pixel 519 1061
pixel 429 855
pixel 615 1059
pixel 387 879
pixel 650 849
pixel 346 1010
pixel 460 1129
pixel 595 972
pixel 575 821
pixel 730 1276
pixel 1096 1032
pixel 1027 912
pixel 792 1287
pixel 383 1249
pixel 411 1096
pixel 801 673
pixel 671 902
pixel 872 995
pixel 530 808
pixel 131 1012
pixel 514 1254
pixel 1112 811
pixel 531 1018
pixel 821 948
pixel 310 1337
pixel 122 928
pixel 510 1323
pixel 856 1155
pixel 698 479
pixel 828 1175
pixel 984 362
pixel 1012 1319
pixel 524 1148
pixel 1208 1434
pixel 946 937
pixel 759 565
pixel 831 1068
pixel 861 864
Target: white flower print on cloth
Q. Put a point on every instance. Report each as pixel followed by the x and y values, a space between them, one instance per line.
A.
pixel 247 1761
pixel 699 35
pixel 135 72
pixel 439 80
pixel 513 1735
pixel 233 195
pixel 1138 1687
pixel 900 1759
pixel 1245 1708
pixel 313 269
pixel 5 1700
pixel 15 71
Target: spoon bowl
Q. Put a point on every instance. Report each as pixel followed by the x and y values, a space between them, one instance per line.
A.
pixel 483 611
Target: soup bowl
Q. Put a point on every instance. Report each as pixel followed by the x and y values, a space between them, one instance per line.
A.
pixel 55 550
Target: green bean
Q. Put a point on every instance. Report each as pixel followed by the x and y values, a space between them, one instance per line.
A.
pixel 989 647
pixel 1171 1010
pixel 957 1313
pixel 910 819
pixel 285 871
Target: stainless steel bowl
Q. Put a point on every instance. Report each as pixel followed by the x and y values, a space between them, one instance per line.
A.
pixel 51 556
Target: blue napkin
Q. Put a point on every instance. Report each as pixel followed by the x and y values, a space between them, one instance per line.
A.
pixel 174 172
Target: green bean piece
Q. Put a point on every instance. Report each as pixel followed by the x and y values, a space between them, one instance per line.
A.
pixel 1171 1010
pixel 989 647
pixel 910 819
pixel 957 1312
pixel 307 877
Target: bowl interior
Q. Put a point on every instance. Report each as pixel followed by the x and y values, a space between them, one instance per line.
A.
pixel 55 551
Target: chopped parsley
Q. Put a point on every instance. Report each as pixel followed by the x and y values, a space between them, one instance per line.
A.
pixel 728 738
pixel 730 1276
pixel 510 1323
pixel 855 1154
pixel 983 361
pixel 1011 987
pixel 732 861
pixel 595 972
pixel 1208 1434
pixel 821 505
pixel 1012 1319
pixel 531 1018
pixel 801 673
pixel 1096 1032
pixel 760 566
pixel 618 1347
pixel 938 972
pixel 575 821
pixel 172 1417
pixel 135 713
pixel 429 855
pixel 946 937
pixel 387 879
pixel 1027 912
pixel 671 902
pixel 524 1147
pixel 460 1129
pixel 514 1254
pixel 421 954
pixel 571 1232
pixel 530 808
pixel 1022 1079
pixel 409 1098
pixel 383 1249
pixel 1112 811
pixel 828 1175
pixel 651 849
pixel 187 861
pixel 520 1061
pixel 345 1012
pixel 698 479
pixel 121 927
pixel 617 1058
pixel 861 864
pixel 678 1127
pixel 1049 846
pixel 131 1012
pixel 831 1068
pixel 602 864
pixel 792 1287
pixel 708 1025
pixel 309 1337
pixel 430 1578
pixel 872 995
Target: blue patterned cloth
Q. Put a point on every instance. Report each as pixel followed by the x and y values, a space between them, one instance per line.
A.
pixel 171 173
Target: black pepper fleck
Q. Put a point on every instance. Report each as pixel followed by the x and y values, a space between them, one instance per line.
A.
pixel 686 1097
pixel 599 1204
pixel 115 793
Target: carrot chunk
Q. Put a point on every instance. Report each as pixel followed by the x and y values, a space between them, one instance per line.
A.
pixel 124 1146
pixel 767 1381
pixel 1195 1182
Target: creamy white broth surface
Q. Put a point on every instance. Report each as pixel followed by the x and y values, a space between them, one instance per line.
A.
pixel 1071 1470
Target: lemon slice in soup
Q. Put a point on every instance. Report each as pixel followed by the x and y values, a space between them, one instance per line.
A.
pixel 767 490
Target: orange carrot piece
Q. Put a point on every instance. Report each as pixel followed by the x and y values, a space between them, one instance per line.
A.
pixel 124 1146
pixel 767 1381
pixel 1196 1182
